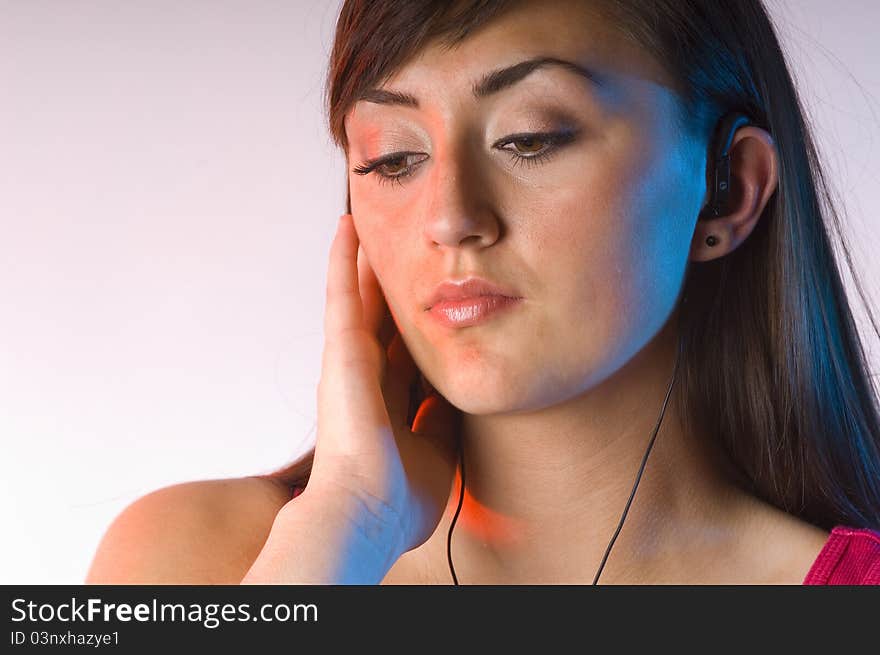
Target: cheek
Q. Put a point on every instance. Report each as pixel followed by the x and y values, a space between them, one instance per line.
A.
pixel 585 242
pixel 613 256
pixel 662 217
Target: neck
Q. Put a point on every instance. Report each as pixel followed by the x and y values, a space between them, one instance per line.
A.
pixel 545 490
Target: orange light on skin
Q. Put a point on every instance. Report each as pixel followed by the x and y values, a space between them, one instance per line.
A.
pixel 483 523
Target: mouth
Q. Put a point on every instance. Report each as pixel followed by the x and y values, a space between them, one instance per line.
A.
pixel 471 311
pixel 469 289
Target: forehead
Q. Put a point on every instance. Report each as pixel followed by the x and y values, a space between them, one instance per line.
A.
pixel 572 30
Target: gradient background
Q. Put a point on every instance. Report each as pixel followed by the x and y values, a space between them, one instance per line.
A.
pixel 168 194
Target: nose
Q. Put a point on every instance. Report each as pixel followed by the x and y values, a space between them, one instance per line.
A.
pixel 459 208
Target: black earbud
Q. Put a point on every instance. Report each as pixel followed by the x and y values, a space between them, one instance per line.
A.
pixel 726 128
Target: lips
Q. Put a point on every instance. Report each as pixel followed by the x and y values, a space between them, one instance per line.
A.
pixel 472 287
pixel 471 311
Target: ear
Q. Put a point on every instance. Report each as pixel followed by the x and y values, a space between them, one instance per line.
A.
pixel 754 165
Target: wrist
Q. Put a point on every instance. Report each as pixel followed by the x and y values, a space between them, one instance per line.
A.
pixel 372 521
pixel 324 536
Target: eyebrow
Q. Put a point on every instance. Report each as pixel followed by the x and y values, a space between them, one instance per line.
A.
pixel 492 82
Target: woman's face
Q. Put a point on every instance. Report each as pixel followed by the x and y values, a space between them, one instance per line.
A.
pixel 595 236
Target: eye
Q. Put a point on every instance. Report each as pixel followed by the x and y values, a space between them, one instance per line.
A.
pixel 529 148
pixel 388 168
pixel 529 143
pixel 533 148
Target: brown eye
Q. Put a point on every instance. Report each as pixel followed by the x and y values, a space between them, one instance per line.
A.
pixel 532 148
pixel 392 168
pixel 389 166
pixel 532 145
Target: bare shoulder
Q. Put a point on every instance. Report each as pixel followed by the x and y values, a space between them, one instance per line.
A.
pixel 783 545
pixel 199 532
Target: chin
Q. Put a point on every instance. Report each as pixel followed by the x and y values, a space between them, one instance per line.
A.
pixel 482 396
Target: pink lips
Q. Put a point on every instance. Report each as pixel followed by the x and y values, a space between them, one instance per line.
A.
pixel 470 311
pixel 468 288
pixel 461 303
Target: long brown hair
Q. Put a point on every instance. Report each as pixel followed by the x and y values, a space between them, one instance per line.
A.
pixel 773 367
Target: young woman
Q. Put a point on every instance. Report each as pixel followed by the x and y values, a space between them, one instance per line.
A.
pixel 584 296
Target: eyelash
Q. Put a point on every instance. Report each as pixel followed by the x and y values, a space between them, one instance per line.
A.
pixel 555 140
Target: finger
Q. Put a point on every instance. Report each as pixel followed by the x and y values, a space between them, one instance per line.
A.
pixel 400 360
pixel 344 307
pixel 377 315
pixel 372 296
pixel 387 331
pixel 400 374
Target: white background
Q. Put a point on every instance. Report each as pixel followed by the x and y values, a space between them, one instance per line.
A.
pixel 168 193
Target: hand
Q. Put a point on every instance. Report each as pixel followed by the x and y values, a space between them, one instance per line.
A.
pixel 365 450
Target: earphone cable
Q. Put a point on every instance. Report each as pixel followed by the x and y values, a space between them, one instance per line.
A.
pixel 455 517
pixel 628 502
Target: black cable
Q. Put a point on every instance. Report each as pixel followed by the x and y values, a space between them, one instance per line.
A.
pixel 457 510
pixel 641 468
pixel 628 502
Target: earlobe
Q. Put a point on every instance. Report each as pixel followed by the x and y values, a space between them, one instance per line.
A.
pixel 708 244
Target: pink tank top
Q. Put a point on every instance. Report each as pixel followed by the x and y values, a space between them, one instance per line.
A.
pixel 851 556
